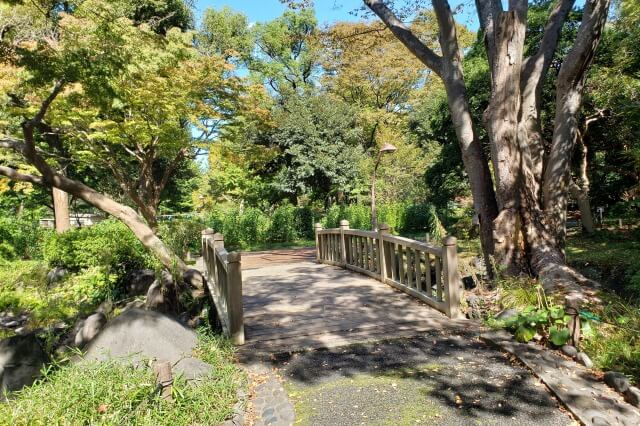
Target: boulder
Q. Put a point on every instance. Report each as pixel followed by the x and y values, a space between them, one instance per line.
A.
pixel 136 335
pixel 21 359
pixel 139 281
pixel 616 380
pixel 507 314
pixel 56 275
pixel 632 396
pixel 90 328
pixel 584 359
pixel 196 282
pixel 569 351
pixel 157 298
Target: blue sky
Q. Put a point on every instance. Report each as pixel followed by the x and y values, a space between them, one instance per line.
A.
pixel 327 11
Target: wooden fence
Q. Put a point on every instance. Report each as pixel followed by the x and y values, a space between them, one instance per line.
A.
pixel 224 280
pixel 422 270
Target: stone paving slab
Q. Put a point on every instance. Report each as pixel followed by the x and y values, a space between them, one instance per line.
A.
pixel 590 400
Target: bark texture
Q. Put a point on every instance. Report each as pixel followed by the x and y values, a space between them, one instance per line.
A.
pixel 524 219
pixel 61 210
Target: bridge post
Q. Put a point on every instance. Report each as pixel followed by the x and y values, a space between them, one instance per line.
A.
pixel 318 228
pixel 236 312
pixel 344 225
pixel 382 264
pixel 206 234
pixel 450 277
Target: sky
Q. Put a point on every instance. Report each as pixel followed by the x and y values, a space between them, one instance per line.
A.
pixel 327 11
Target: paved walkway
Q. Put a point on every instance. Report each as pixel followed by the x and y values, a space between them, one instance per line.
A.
pixel 305 305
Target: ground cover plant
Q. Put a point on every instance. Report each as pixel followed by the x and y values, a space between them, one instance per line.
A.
pixel 122 394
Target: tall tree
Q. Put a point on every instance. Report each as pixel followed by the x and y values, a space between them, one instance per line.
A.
pixel 523 220
pixel 104 85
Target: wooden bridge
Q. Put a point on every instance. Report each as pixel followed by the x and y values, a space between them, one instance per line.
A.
pixel 354 286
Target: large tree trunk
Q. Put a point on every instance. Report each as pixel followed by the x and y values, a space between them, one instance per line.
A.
pixel 502 124
pixel 61 210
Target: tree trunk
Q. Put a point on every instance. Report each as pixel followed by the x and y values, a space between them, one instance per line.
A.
pixel 584 204
pixel 61 210
pixel 502 126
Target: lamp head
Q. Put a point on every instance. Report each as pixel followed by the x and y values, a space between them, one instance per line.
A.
pixel 387 148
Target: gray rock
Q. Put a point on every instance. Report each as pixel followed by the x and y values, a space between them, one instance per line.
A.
pixel 616 380
pixel 155 298
pixel 569 351
pixel 139 281
pixel 138 334
pixel 584 359
pixel 192 368
pixel 105 307
pixel 21 358
pixel 632 396
pixel 21 331
pixel 88 329
pixel 56 275
pixel 507 314
pixel 11 324
pixel 599 421
pixel 194 279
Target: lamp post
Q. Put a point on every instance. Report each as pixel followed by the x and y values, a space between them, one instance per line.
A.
pixel 387 148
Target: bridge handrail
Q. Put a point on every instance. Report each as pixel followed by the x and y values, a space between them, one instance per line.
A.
pixel 223 273
pixel 423 270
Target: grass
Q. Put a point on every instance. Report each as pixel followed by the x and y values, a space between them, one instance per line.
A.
pixel 120 394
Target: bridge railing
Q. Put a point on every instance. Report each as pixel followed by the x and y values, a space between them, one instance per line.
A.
pixel 224 280
pixel 425 271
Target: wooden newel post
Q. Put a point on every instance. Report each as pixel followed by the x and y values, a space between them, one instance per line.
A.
pixel 318 228
pixel 382 256
pixel 572 309
pixel 234 302
pixel 450 277
pixel 206 234
pixel 344 225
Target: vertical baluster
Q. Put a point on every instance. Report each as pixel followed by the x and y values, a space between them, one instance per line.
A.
pixel 438 278
pixel 393 250
pixel 410 268
pixel 401 278
pixel 427 272
pixel 418 271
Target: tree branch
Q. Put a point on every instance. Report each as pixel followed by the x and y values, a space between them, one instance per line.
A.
pixel 13 174
pixel 406 36
pixel 535 67
pixel 57 88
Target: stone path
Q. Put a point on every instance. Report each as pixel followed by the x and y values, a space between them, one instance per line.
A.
pixel 590 400
pixel 436 379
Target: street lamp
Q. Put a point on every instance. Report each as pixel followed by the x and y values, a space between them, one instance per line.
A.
pixel 387 148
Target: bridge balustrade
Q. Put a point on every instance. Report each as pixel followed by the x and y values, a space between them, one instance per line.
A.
pixel 423 270
pixel 224 281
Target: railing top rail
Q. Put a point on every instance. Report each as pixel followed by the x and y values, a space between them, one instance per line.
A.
pixel 329 231
pixel 361 233
pixel 418 245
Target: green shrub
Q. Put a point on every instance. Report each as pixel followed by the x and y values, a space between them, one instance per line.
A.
pixel 283 224
pixel 21 237
pixel 108 244
pixel 182 235
pixel 254 227
pixel 304 223
pixel 23 287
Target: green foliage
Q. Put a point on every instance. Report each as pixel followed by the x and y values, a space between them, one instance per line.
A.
pixel 23 288
pixel 182 235
pixel 121 394
pixel 107 244
pixel 283 226
pixel 544 318
pixel 20 238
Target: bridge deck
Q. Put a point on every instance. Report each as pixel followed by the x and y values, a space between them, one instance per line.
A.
pixel 303 305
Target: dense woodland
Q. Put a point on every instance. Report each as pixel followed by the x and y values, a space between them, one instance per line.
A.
pixel 511 138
